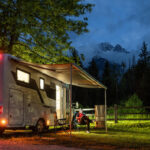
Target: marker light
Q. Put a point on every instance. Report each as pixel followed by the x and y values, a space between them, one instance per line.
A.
pixel 1 109
pixel 3 122
pixel 48 122
pixel 1 56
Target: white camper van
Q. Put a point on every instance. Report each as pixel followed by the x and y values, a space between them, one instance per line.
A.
pixel 28 97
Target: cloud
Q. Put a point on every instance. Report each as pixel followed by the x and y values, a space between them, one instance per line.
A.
pixel 116 21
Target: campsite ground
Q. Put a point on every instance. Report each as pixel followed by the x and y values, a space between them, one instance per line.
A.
pixel 127 135
pixel 60 141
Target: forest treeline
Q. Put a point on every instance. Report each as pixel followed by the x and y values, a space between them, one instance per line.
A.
pixel 121 83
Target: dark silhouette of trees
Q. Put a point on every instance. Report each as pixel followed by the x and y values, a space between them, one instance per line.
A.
pixel 133 81
pixel 110 78
pixel 123 66
pixel 142 74
pixel 137 78
pixel 144 55
pixel 107 81
pixel 93 69
pixel 106 76
pixel 76 58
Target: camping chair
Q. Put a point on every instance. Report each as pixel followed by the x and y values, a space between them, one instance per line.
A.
pixel 62 123
pixel 76 124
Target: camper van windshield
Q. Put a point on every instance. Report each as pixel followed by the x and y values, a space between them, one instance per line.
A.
pixel 23 76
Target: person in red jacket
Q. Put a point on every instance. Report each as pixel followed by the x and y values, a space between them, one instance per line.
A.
pixel 83 119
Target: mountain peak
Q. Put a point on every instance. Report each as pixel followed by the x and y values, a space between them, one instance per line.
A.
pixel 119 48
pixel 105 46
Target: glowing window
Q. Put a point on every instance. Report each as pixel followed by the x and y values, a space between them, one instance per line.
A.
pixel 23 76
pixel 41 84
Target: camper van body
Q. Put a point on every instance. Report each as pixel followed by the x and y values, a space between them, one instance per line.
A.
pixel 27 96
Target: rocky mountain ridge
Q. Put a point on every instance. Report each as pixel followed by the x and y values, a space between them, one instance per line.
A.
pixel 106 46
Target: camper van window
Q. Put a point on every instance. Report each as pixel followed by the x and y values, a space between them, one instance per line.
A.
pixel 23 76
pixel 41 83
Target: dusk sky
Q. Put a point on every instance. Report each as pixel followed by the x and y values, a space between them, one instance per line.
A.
pixel 126 22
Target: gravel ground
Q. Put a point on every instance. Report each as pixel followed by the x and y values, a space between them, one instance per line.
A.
pixel 26 140
pixel 19 140
pixel 11 145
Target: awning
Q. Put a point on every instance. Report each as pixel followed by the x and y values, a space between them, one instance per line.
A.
pixel 62 72
pixel 70 74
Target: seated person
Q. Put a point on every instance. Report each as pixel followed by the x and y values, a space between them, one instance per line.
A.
pixel 82 119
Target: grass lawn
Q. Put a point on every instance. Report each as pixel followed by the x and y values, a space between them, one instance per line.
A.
pixel 125 134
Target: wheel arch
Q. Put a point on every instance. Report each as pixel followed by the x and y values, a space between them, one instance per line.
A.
pixel 42 119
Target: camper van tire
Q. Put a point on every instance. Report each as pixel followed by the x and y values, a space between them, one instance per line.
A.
pixel 40 126
pixel 1 130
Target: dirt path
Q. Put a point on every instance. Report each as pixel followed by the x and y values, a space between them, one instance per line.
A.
pixel 23 145
pixel 11 145
pixel 43 143
pixel 28 141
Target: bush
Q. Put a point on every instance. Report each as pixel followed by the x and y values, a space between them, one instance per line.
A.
pixel 134 101
pixel 128 113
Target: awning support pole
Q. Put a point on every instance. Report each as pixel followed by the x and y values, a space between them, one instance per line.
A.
pixel 70 97
pixel 105 111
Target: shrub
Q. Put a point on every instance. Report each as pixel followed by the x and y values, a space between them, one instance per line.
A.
pixel 128 113
pixel 134 101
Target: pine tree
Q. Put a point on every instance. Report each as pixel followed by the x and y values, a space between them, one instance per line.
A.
pixel 93 69
pixel 136 79
pixel 144 55
pixel 142 72
pixel 123 66
pixel 76 58
pixel 106 76
pixel 107 81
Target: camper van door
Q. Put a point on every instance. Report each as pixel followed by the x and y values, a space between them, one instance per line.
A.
pixel 15 107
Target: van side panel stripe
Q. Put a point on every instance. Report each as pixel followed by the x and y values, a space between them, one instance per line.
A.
pixel 31 85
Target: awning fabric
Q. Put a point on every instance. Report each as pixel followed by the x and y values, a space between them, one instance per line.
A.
pixel 62 72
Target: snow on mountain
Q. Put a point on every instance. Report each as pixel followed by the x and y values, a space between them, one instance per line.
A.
pixel 115 54
pixel 105 46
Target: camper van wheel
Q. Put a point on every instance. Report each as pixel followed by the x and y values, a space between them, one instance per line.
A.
pixel 40 126
pixel 1 131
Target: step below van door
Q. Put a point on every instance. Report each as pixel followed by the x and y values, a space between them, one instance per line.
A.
pixel 15 106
